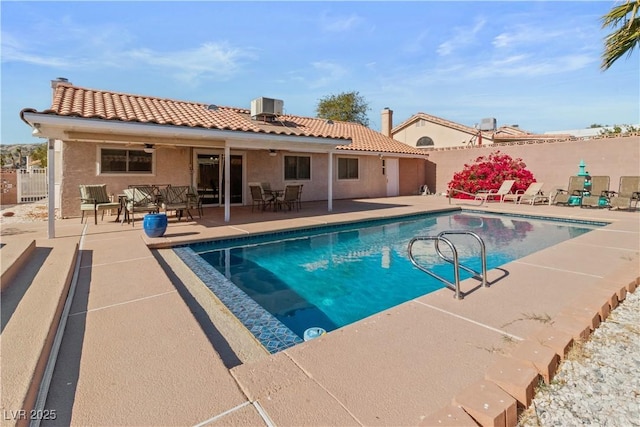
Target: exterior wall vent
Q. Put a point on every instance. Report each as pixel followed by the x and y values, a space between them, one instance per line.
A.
pixel 488 124
pixel 266 108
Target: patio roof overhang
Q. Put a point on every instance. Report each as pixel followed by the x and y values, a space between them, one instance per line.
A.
pixel 100 130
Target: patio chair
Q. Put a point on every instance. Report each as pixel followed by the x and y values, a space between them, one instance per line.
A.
pixel 572 195
pixel 628 192
pixel 532 194
pixel 289 197
pixel 598 195
pixel 175 198
pixel 299 201
pixel 194 200
pixel 504 189
pixel 258 197
pixel 139 199
pixel 95 198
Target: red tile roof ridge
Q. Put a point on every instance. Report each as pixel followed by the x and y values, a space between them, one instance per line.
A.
pixel 148 97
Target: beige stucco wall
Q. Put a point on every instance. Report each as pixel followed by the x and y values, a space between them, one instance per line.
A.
pixel 371 182
pixel 80 161
pixel 412 175
pixel 442 136
pixel 551 163
pixel 173 166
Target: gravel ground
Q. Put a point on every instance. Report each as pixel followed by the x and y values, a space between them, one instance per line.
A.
pixel 598 384
pixel 24 212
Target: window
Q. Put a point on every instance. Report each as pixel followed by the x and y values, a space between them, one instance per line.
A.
pixel 297 167
pixel 425 141
pixel 114 160
pixel 347 168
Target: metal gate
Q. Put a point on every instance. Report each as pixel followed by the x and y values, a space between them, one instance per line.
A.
pixel 32 185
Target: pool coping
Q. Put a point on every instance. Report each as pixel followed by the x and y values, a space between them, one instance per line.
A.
pixel 272 334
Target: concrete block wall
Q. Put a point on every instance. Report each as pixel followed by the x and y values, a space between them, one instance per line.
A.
pixel 8 187
pixel 552 162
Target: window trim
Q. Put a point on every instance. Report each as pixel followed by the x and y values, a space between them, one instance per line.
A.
pixel 357 159
pixel 284 168
pixel 99 171
pixel 426 139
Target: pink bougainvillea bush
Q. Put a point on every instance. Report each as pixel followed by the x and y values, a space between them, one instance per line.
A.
pixel 488 173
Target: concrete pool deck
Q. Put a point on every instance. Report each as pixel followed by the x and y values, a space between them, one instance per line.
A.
pixel 142 348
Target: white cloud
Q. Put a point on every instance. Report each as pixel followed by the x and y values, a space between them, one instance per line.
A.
pixel 330 73
pixel 415 45
pixel 463 36
pixel 334 24
pixel 528 35
pixel 210 60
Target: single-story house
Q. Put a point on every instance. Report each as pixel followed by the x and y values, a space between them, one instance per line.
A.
pixel 428 132
pixel 118 139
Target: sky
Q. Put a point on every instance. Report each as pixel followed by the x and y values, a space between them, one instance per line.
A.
pixel 535 64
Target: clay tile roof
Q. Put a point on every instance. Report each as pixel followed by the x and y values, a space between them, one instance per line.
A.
pixel 70 100
pixel 434 119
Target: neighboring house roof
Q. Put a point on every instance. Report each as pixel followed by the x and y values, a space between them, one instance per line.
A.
pixel 439 121
pixel 74 101
pixel 505 134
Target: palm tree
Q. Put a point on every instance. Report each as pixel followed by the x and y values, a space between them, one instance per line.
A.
pixel 624 22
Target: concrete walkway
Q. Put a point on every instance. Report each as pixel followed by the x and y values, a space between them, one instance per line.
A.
pixel 142 348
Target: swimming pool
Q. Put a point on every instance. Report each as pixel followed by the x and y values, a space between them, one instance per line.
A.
pixel 281 284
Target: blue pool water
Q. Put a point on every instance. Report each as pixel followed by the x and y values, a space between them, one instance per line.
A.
pixel 334 276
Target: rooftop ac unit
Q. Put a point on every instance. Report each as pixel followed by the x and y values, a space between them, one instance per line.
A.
pixel 266 107
pixel 488 124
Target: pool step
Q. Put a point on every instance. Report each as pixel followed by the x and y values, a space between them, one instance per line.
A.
pixel 32 304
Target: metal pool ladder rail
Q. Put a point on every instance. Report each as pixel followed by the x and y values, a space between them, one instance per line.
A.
pixel 482 276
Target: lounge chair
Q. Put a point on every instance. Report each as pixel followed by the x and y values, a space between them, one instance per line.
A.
pixel 140 199
pixel 628 192
pixel 504 189
pixel 572 195
pixel 532 194
pixel 597 194
pixel 95 198
pixel 176 198
pixel 289 197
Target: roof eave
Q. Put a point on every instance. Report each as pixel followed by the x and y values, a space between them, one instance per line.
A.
pixel 57 127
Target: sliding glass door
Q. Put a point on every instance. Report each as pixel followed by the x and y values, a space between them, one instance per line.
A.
pixel 210 178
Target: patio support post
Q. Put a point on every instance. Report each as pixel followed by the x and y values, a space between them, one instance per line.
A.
pixel 227 182
pixel 330 183
pixel 51 190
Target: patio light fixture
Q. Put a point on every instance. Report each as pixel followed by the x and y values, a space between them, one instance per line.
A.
pixel 36 130
pixel 273 153
pixel 148 148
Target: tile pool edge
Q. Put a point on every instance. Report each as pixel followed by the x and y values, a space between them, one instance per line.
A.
pixel 269 331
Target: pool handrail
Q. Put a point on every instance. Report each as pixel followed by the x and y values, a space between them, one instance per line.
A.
pixel 483 254
pixel 455 286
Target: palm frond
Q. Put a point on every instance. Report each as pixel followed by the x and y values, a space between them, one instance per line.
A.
pixel 624 22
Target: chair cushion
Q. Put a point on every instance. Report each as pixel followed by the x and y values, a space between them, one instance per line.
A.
pixel 97 193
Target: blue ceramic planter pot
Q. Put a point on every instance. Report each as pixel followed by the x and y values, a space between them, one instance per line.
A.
pixel 155 224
